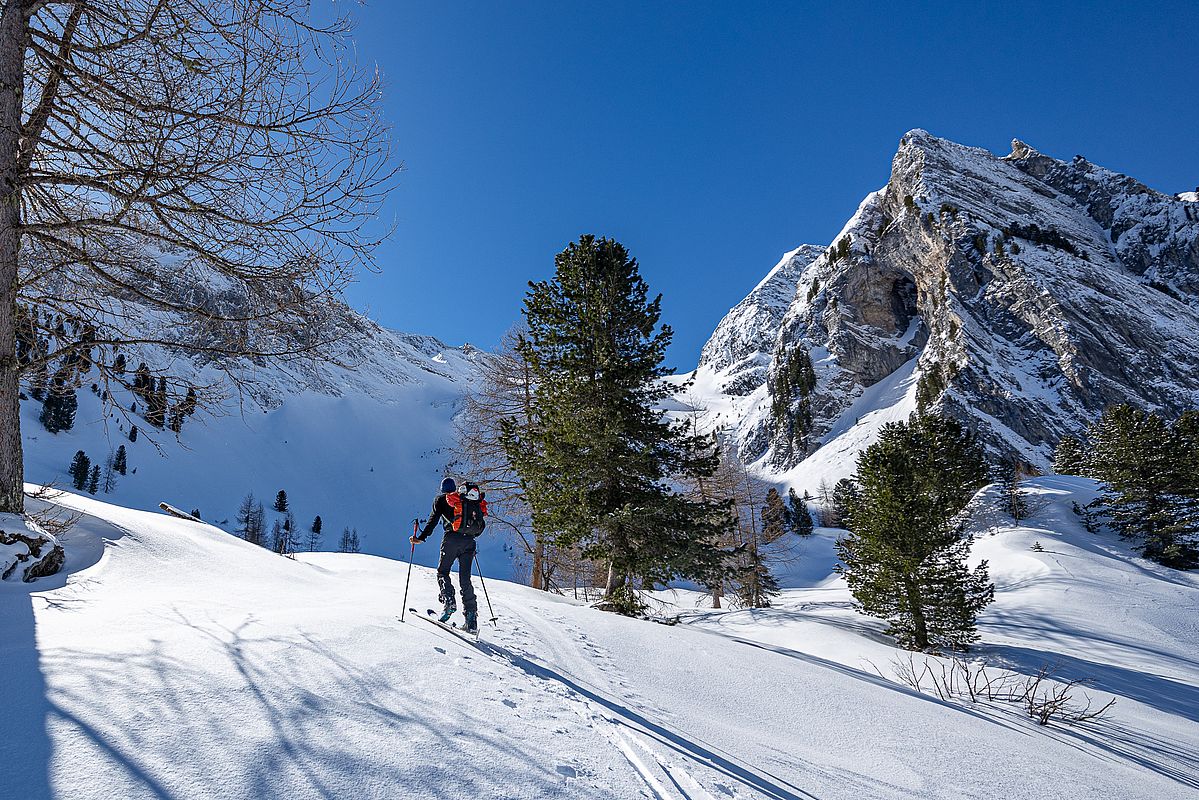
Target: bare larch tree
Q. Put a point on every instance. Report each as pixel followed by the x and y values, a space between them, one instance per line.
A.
pixel 220 163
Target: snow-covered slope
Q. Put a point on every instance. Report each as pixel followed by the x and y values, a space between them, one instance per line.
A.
pixel 362 443
pixel 172 660
pixel 1022 294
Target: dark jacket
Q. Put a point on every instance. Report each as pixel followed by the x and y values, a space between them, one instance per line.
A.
pixel 442 510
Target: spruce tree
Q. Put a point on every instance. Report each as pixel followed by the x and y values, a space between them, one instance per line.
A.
pixel 1147 493
pixel 1011 492
pixel 314 535
pixel 599 460
pixel 905 556
pixel 1070 457
pixel 81 467
pixel 281 502
pixel 132 435
pixel 798 514
pixel 93 481
pixel 120 460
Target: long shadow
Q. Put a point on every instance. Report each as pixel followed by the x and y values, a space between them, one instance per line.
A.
pixel 1164 694
pixel 24 741
pixel 758 780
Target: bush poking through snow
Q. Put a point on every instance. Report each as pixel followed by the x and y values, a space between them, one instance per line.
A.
pixel 1042 696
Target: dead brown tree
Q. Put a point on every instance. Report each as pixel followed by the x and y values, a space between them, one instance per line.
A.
pixel 216 163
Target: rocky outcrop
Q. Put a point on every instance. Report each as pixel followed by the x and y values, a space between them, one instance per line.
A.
pixel 29 555
pixel 1030 292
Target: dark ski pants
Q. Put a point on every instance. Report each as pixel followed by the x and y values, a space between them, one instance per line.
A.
pixel 461 548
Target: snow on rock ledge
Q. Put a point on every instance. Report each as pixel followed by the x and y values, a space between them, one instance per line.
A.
pixel 27 552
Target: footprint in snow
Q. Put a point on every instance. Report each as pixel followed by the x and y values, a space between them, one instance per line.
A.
pixel 509 703
pixel 567 771
pixel 440 650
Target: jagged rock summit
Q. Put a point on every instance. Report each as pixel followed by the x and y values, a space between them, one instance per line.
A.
pixel 1019 293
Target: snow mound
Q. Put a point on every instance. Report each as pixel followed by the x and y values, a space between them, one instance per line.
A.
pixel 170 659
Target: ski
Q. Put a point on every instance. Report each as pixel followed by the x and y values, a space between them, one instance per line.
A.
pixel 453 628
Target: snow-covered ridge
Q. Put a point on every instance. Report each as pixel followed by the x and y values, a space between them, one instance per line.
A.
pixel 360 439
pixel 1020 293
pixel 171 660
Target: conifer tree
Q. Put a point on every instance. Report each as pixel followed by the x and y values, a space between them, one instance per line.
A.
pixel 132 435
pixel 355 544
pixel 93 482
pixel 600 459
pixel 281 502
pixel 120 460
pixel 1148 493
pixel 314 535
pixel 798 515
pixel 60 404
pixel 81 467
pixel 343 546
pixel 1070 457
pixel 844 496
pixel 905 556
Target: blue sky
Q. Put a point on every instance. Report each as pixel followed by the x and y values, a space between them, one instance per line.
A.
pixel 711 137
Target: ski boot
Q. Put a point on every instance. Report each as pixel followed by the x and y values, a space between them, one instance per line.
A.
pixel 472 622
pixel 448 611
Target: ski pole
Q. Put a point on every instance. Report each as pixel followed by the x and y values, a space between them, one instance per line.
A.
pixel 490 610
pixel 408 580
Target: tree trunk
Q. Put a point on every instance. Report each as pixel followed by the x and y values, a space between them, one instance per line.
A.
pixel 538 562
pixel 916 608
pixel 12 62
pixel 615 580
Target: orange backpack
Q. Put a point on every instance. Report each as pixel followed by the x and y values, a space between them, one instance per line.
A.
pixel 470 510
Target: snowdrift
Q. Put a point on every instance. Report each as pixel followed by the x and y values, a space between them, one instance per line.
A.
pixel 171 660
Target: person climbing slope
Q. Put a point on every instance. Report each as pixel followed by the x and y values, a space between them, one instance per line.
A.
pixel 463 514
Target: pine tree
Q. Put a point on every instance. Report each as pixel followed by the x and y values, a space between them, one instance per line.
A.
pixel 1148 495
pixel 60 404
pixel 905 556
pixel 845 495
pixel 355 544
pixel 120 460
pixel 81 467
pixel 756 585
pixel 600 458
pixel 1070 457
pixel 798 515
pixel 93 482
pixel 343 546
pixel 132 435
pixel 281 502
pixel 314 535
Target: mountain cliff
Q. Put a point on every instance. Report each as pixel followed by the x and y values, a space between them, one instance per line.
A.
pixel 1021 294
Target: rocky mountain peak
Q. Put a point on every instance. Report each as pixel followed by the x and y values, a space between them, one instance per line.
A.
pixel 1020 293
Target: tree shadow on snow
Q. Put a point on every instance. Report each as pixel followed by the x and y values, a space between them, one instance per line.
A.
pixel 271 716
pixel 24 741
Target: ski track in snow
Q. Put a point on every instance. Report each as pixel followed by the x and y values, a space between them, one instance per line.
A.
pixel 174 661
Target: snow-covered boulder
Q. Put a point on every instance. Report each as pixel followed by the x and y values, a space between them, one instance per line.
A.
pixel 27 552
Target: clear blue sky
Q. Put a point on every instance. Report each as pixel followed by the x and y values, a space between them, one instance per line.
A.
pixel 711 137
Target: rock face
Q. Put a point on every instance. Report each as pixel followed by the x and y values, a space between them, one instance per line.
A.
pixel 27 554
pixel 1027 292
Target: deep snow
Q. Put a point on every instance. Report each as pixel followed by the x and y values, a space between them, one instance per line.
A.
pixel 173 660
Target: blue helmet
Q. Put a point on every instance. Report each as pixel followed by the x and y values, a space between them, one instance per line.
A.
pixel 448 486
